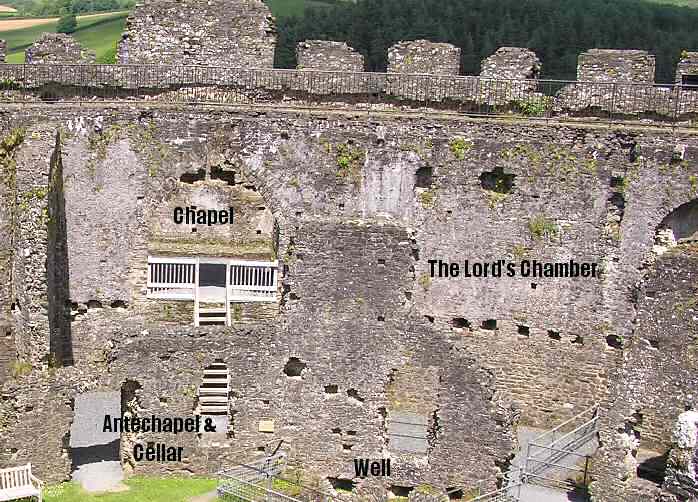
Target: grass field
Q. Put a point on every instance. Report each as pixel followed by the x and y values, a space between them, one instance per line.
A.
pixel 285 8
pixel 140 490
pixel 97 32
pixel 679 3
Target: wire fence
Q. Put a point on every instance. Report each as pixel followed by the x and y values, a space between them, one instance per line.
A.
pixel 384 91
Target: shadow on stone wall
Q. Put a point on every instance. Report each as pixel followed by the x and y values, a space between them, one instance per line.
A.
pixel 60 337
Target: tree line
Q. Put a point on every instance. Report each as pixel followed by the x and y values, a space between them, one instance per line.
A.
pixel 557 30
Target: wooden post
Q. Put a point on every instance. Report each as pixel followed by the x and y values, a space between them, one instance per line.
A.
pixel 227 296
pixel 196 293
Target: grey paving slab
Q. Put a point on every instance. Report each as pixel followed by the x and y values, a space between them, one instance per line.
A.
pixel 88 423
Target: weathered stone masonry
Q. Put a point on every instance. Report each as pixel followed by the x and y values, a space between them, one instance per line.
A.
pixel 358 309
pixel 196 32
pixel 58 48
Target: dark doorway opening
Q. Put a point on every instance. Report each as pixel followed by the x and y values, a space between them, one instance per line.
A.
pixel 690 80
pixel 212 274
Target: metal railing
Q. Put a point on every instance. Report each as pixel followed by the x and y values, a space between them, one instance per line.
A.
pixel 551 458
pixel 557 454
pixel 362 90
pixel 262 481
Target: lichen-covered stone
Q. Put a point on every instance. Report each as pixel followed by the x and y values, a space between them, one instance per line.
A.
pixel 682 465
pixel 613 65
pixel 511 63
pixel 375 333
pixel 239 34
pixel 328 56
pixel 423 56
pixel 58 48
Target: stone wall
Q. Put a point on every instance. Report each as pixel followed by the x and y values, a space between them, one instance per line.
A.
pixel 370 332
pixel 512 63
pixel 654 383
pixel 58 48
pixel 328 56
pixel 8 353
pixel 238 34
pixel 11 140
pixel 612 65
pixel 687 65
pixel 422 56
pixel 3 50
pixel 683 460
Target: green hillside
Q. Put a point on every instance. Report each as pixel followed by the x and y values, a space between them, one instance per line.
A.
pixel 285 8
pixel 98 33
pixel 679 3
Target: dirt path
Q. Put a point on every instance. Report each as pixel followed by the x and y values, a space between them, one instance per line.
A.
pixel 207 497
pixel 18 24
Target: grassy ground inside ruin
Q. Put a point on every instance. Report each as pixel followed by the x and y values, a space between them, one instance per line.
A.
pixel 141 489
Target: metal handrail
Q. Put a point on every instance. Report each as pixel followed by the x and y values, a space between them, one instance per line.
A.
pixel 473 95
pixel 593 409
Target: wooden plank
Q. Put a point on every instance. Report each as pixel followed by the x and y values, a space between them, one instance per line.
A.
pixel 171 259
pixel 228 320
pixel 196 293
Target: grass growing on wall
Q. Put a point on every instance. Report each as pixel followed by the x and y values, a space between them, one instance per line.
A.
pixel 140 490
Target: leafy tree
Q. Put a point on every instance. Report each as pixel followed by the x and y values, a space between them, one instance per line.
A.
pixel 67 24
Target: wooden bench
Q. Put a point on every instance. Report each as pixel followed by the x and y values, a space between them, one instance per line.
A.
pixel 18 483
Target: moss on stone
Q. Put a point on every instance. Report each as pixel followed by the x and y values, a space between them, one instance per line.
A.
pixel 424 281
pixel 349 162
pixel 237 312
pixel 459 147
pixel 541 227
pixel 427 489
pixel 262 248
pixel 427 199
pixel 20 368
pixel 494 198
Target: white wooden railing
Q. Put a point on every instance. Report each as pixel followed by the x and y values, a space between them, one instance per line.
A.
pixel 176 278
pixel 252 281
pixel 172 278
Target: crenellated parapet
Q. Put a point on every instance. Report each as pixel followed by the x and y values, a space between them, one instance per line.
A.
pixel 58 48
pixel 612 65
pixel 328 56
pixel 687 69
pixel 423 56
pixel 511 63
pixel 238 33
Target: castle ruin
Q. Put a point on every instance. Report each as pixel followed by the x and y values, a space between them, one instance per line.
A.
pixel 272 262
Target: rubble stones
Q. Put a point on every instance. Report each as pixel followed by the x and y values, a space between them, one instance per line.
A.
pixel 328 56
pixel 681 477
pixel 239 34
pixel 511 63
pixel 423 56
pixel 687 65
pixel 612 65
pixel 58 48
